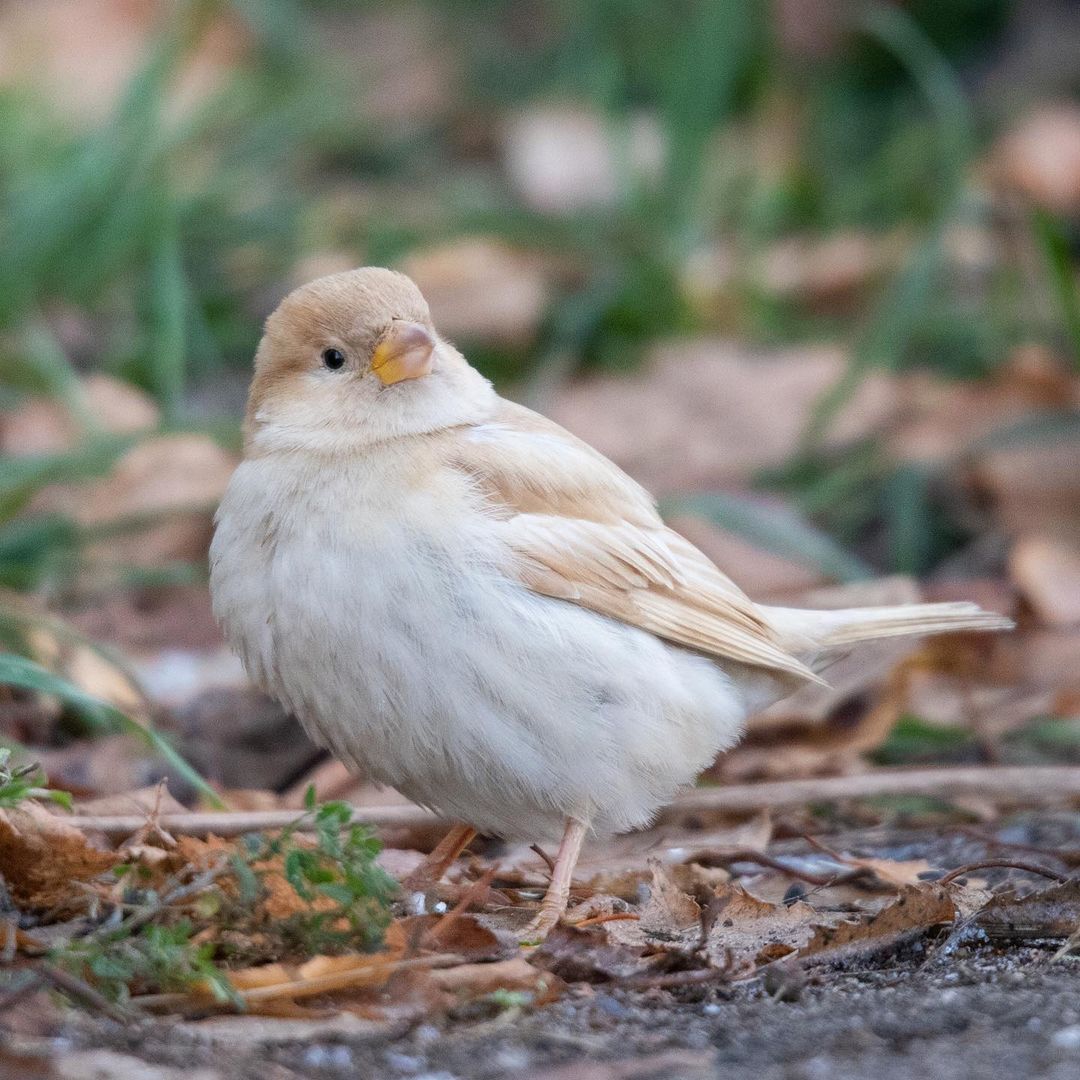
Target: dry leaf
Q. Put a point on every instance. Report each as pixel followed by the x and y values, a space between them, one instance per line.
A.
pixel 462 935
pixel 899 873
pixel 669 910
pixel 828 274
pixel 182 476
pixel 752 929
pixel 761 574
pixel 45 426
pixel 475 980
pixel 481 290
pixel 41 855
pixel 742 929
pixel 1047 572
pixel 1053 912
pixel 1040 158
pixel 145 800
pixel 319 975
pixel 916 910
pixel 1035 488
pixel 707 414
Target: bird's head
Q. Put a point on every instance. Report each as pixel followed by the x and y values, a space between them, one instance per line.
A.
pixel 353 359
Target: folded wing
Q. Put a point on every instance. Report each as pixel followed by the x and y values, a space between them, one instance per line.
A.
pixel 587 533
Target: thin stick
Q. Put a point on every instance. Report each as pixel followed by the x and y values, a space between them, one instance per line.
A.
pixel 726 858
pixel 377 971
pixel 1015 785
pixel 118 826
pixel 1005 864
pixel 74 987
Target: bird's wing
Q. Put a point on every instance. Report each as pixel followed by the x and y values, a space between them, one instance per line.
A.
pixel 586 532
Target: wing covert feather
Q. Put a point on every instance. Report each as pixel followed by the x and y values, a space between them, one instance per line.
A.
pixel 587 533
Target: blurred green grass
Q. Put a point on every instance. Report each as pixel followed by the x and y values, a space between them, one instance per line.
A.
pixel 168 236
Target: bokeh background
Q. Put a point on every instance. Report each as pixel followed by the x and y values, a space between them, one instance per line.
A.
pixel 807 269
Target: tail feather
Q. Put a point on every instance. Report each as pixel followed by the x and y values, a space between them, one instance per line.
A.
pixel 802 630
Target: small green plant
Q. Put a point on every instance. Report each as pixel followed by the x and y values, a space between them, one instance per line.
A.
pixel 339 868
pixel 178 937
pixel 25 782
pixel 159 958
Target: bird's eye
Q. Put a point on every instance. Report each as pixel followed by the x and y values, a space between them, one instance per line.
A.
pixel 333 358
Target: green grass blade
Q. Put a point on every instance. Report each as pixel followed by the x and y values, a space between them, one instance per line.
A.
pixel 776 529
pixel 1054 247
pixel 25 674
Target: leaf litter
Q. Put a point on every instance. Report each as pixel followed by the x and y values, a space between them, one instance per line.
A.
pixel 304 924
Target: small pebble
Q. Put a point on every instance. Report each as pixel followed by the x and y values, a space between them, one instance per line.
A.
pixel 1067 1038
pixel 512 1059
pixel 406 1063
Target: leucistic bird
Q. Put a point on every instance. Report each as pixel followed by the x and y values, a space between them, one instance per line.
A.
pixel 460 599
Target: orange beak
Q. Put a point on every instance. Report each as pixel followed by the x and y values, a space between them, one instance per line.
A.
pixel 405 352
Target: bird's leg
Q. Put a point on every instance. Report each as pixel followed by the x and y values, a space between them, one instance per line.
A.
pixel 558 891
pixel 441 858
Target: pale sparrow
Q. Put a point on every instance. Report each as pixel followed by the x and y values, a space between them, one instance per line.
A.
pixel 459 598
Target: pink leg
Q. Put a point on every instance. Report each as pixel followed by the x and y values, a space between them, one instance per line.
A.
pixel 558 892
pixel 441 858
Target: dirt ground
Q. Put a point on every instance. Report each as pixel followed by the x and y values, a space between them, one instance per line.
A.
pixel 954 1005
pixel 980 1013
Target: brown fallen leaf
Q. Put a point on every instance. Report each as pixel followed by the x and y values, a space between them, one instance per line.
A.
pixel 1035 488
pixel 44 426
pixel 1053 912
pixel 462 935
pixel 481 290
pixel 476 980
pixel 1040 157
pixel 742 929
pixel 761 574
pixel 40 857
pixel 1047 572
pixel 149 800
pixel 706 414
pixel 917 909
pixel 669 910
pixel 829 274
pixel 899 873
pixel 180 478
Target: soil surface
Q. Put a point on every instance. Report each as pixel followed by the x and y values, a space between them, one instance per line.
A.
pixel 948 1007
pixel 975 1013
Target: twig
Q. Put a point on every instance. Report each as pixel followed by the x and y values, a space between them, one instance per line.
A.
pixel 1012 785
pixel 611 916
pixel 1068 856
pixel 182 892
pixel 77 988
pixel 1015 785
pixel 310 987
pixel 751 855
pixel 119 826
pixel 544 855
pixel 1006 864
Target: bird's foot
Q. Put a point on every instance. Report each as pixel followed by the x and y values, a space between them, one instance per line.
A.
pixel 546 921
pixel 553 906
